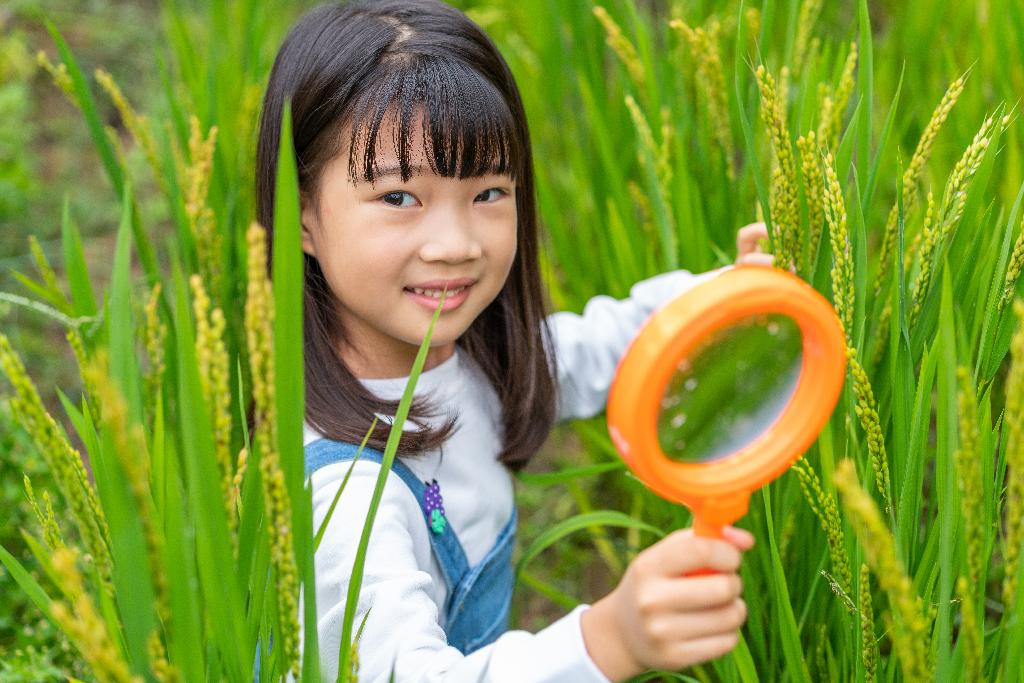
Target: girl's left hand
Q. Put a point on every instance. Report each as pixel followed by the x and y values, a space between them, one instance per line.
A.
pixel 747 245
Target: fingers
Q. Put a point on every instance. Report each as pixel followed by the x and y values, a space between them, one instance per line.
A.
pixel 756 259
pixel 696 593
pixel 679 640
pixel 681 552
pixel 697 625
pixel 748 236
pixel 669 619
pixel 704 649
pixel 759 259
pixel 741 538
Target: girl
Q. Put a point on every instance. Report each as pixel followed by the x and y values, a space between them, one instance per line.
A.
pixel 415 172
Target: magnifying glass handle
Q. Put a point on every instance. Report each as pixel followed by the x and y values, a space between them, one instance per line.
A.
pixel 705 530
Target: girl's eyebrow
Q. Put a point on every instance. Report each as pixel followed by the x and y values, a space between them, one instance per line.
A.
pixel 396 170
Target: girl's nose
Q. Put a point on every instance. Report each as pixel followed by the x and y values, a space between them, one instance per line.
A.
pixel 450 238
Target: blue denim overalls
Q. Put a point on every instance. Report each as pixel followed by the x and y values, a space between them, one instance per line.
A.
pixel 476 609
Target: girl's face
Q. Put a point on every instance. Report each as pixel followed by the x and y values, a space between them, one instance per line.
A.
pixel 379 242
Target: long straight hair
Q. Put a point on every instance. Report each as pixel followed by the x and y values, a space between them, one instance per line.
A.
pixel 345 68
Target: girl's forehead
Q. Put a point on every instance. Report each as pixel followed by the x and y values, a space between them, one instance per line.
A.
pixel 381 143
pixel 385 148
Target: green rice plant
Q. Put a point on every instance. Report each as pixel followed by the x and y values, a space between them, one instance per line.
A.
pixel 213 528
pixel 149 622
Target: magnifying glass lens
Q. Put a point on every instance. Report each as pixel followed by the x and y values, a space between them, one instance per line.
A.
pixel 730 389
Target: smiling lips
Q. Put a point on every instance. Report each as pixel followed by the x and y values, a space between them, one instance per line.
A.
pixel 433 287
pixel 436 293
pixel 427 294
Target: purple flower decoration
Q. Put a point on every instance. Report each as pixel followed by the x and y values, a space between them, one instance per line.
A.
pixel 433 504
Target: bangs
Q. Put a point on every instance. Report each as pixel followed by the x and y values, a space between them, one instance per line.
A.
pixel 464 122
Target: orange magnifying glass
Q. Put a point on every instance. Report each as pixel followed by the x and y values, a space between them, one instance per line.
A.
pixel 724 388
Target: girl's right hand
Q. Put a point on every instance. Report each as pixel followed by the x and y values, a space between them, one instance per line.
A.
pixel 658 617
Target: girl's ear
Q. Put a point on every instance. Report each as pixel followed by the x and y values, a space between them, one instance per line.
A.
pixel 309 222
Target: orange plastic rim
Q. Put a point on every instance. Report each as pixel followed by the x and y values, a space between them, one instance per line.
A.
pixel 718 491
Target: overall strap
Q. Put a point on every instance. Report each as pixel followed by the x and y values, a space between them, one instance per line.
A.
pixel 445 543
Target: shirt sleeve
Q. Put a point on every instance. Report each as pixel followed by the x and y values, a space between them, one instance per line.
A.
pixel 403 630
pixel 588 346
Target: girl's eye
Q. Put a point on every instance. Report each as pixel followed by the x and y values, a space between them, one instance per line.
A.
pixel 400 199
pixel 397 199
pixel 498 192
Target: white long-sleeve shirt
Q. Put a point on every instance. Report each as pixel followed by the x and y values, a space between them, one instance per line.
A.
pixel 402 580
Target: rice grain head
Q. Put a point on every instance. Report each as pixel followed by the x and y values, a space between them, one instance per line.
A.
pixel 824 506
pixel 648 151
pixel 826 107
pixel 809 12
pixel 201 217
pixel 622 47
pixel 868 641
pixel 752 15
pixel 912 174
pixel 1013 270
pixel 970 634
pixel 814 192
pixel 910 637
pixel 642 204
pixel 648 146
pixel 46 273
pixel 77 344
pixel 842 251
pixel 242 464
pixel 139 126
pixel 867 413
pixel 840 100
pixel 155 333
pixel 63 462
pixel 132 454
pixel 943 222
pixel 213 367
pixel 114 138
pixel 60 76
pixel 163 671
pixel 1013 420
pixel 929 244
pixel 783 205
pixel 955 196
pixel 259 336
pixel 47 522
pixel 81 621
pixel 969 478
pixel 703 43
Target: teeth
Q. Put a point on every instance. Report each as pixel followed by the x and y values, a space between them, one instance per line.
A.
pixel 435 293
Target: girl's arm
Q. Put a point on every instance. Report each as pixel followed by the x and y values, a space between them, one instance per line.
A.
pixel 400 584
pixel 588 346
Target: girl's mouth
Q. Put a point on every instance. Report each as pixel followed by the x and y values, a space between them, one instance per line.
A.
pixel 429 298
